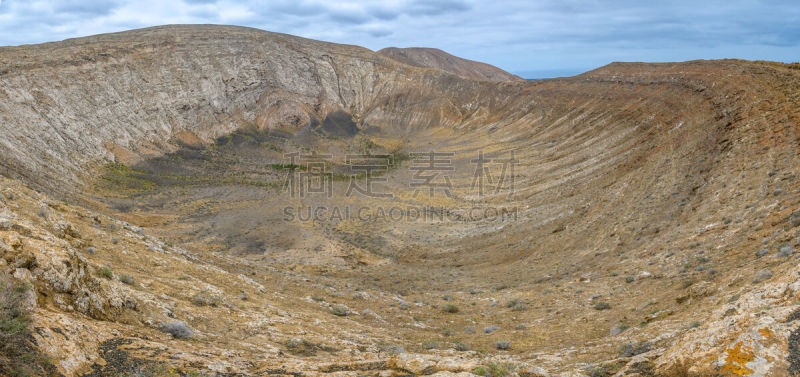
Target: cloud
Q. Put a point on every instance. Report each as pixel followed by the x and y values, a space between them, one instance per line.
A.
pixel 379 32
pixel 348 14
pixel 437 7
pixel 84 8
pixel 300 8
pixel 383 12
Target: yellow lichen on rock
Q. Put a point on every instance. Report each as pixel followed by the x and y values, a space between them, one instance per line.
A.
pixel 737 358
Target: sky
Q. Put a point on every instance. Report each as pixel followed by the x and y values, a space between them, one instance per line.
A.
pixel 531 38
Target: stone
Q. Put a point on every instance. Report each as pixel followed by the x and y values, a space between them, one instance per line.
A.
pixel 794 219
pixel 763 275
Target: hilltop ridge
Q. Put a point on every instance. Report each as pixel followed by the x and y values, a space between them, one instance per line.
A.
pixel 435 58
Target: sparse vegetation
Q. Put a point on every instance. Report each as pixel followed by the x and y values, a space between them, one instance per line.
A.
pixel 106 272
pixel 431 344
pixel 633 349
pixel 516 304
pixel 301 347
pixel 450 308
pixel 19 355
pixel 602 306
pixel 288 167
pixel 389 348
pixel 495 370
pixel 502 344
pixel 122 179
pixel 127 279
pixel 206 298
pixel 606 369
pixel 340 310
pixel 461 346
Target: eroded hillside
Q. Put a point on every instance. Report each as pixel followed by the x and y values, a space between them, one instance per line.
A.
pixel 435 58
pixel 653 211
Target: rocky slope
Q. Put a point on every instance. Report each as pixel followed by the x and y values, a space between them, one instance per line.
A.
pixel 656 213
pixel 153 84
pixel 435 58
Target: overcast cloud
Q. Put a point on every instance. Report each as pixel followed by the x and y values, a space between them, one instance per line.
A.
pixel 531 38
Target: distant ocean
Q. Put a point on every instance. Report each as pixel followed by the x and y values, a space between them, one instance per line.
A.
pixel 549 73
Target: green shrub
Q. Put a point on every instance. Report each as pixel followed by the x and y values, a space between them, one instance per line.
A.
pixel 450 308
pixel 205 298
pixel 495 370
pixel 106 273
pixel 602 306
pixel 19 355
pixel 431 344
pixel 340 310
pixel 127 279
pixel 516 305
pixel 461 346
